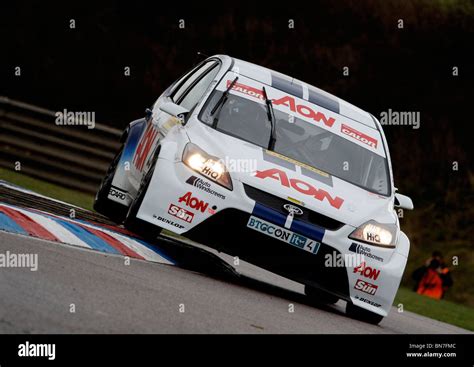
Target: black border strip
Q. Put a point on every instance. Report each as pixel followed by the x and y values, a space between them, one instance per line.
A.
pixel 240 347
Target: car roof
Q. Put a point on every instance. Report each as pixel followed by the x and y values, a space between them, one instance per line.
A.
pixel 303 90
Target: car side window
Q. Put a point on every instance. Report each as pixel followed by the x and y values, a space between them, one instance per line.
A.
pixel 194 95
pixel 190 80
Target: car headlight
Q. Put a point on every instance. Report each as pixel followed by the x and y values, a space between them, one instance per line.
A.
pixel 207 165
pixel 375 233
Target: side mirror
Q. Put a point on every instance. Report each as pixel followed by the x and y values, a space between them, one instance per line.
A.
pixel 174 110
pixel 148 114
pixel 404 202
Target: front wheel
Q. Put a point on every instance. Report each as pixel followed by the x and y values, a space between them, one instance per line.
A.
pixel 134 224
pixel 362 314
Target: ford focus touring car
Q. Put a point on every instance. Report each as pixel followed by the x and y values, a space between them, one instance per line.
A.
pixel 275 171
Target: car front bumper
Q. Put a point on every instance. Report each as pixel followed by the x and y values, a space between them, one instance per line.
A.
pixel 222 224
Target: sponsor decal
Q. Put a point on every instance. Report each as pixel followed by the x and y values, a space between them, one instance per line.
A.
pixel 144 147
pixel 367 271
pixel 116 193
pixel 372 303
pixel 300 186
pixel 278 218
pixel 283 234
pixel 353 133
pixel 286 101
pixel 193 202
pixel 180 213
pixel 167 221
pixel 209 171
pixel 364 250
pixel 204 186
pixel 366 287
pixel 304 110
pixel 245 89
pixel 371 236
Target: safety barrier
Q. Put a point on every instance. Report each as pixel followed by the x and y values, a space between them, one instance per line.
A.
pixel 73 156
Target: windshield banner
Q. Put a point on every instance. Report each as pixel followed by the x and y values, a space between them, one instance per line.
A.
pixel 351 130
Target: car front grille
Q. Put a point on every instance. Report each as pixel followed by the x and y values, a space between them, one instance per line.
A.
pixel 277 203
pixel 227 231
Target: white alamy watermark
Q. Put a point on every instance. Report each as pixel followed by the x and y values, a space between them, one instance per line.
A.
pixel 244 165
pixel 402 118
pixel 12 260
pixel 337 260
pixel 77 118
pixel 28 349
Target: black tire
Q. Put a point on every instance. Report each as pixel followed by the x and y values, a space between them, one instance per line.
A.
pixel 111 209
pixel 361 314
pixel 144 229
pixel 319 296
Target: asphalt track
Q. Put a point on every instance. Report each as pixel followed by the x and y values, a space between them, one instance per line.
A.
pixel 109 295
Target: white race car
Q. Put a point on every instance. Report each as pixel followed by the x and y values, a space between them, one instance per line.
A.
pixel 275 171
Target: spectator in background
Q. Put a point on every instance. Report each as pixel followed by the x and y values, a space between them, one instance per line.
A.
pixel 434 278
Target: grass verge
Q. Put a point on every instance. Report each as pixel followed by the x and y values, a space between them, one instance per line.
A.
pixel 442 310
pixel 48 189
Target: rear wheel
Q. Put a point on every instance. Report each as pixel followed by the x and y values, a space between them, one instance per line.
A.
pixel 102 204
pixel 134 224
pixel 320 296
pixel 362 314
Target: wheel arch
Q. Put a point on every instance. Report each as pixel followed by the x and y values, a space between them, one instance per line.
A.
pixel 403 246
pixel 130 138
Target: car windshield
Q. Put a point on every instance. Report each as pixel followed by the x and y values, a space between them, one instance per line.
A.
pixel 298 139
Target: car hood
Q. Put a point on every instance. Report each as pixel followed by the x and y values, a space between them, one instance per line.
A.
pixel 294 181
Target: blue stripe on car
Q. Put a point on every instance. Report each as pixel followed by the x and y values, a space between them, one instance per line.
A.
pixel 309 230
pixel 269 214
pixel 132 142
